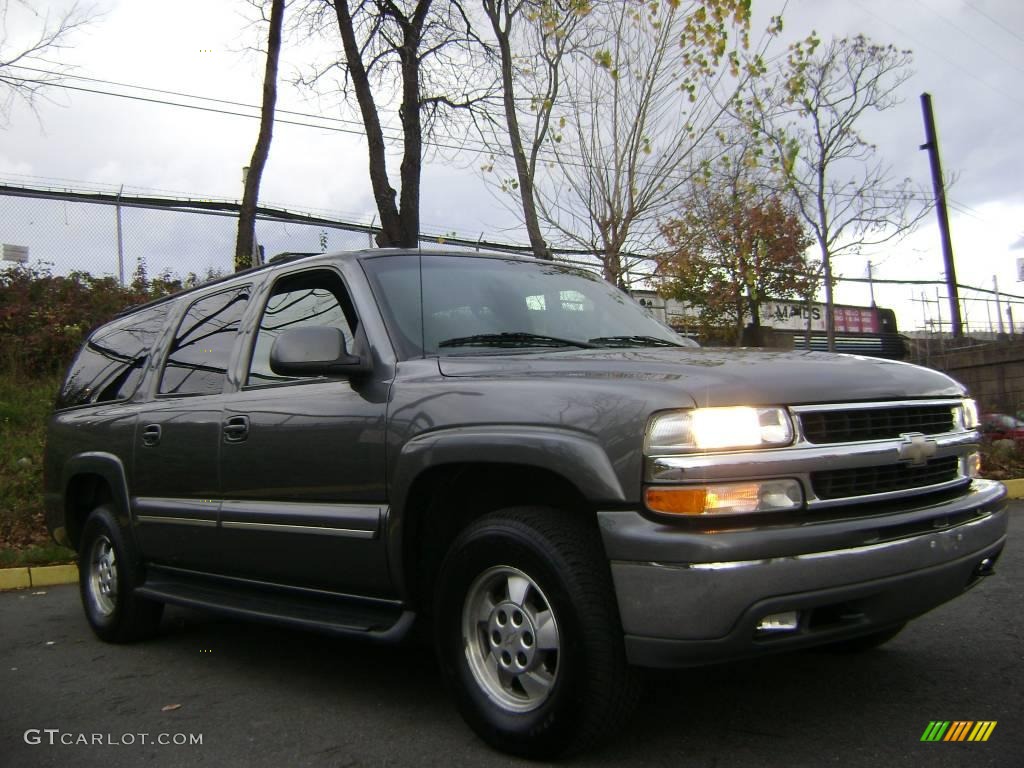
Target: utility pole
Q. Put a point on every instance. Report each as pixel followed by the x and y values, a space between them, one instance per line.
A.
pixel 932 145
pixel 871 283
pixel 999 311
pixel 120 239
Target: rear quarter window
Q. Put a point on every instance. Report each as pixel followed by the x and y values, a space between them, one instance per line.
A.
pixel 112 361
pixel 197 362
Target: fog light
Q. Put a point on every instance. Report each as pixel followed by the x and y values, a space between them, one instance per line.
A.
pixel 972 464
pixel 787 621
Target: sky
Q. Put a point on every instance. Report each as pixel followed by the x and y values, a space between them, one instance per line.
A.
pixel 969 54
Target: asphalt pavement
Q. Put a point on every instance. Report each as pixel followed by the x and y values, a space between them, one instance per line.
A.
pixel 256 695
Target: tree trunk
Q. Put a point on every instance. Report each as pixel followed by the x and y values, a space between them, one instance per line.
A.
pixel 529 205
pixel 826 261
pixel 611 262
pixel 830 314
pixel 383 193
pixel 245 243
pixel 412 130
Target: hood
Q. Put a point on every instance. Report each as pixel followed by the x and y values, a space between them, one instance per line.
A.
pixel 722 376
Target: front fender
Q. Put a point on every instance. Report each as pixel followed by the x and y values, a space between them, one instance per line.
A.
pixel 574 456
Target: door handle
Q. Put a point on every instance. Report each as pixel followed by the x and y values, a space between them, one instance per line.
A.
pixel 151 435
pixel 236 429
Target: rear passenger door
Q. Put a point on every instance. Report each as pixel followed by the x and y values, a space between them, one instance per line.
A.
pixel 303 458
pixel 175 493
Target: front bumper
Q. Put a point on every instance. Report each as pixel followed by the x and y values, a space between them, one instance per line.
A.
pixel 689 597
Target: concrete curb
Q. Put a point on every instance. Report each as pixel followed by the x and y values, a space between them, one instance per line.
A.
pixel 37 576
pixel 1014 488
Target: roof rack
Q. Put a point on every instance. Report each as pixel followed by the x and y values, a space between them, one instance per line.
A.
pixel 289 255
pixel 278 259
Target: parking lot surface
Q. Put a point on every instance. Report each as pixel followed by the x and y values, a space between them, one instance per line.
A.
pixel 263 696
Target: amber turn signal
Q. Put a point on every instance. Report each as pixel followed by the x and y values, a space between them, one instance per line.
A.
pixel 725 498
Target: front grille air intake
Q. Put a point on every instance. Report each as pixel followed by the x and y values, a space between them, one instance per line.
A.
pixel 860 424
pixel 863 481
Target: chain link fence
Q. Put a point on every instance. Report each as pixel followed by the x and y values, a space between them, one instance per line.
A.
pixel 109 233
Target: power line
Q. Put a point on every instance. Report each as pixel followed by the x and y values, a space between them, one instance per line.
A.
pixel 940 55
pixel 892 194
pixel 964 33
pixel 994 21
pixel 183 94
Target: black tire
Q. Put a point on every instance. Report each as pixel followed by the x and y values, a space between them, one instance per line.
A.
pixel 587 690
pixel 108 572
pixel 864 642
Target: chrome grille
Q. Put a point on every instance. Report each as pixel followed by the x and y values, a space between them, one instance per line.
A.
pixel 863 481
pixel 859 424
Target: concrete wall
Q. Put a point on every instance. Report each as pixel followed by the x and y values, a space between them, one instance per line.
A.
pixel 993 371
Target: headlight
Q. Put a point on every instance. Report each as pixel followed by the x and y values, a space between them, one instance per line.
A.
pixel 969 414
pixel 705 429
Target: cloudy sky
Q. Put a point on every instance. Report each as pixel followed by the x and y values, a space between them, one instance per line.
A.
pixel 969 54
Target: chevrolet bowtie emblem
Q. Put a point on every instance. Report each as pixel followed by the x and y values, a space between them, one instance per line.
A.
pixel 916 448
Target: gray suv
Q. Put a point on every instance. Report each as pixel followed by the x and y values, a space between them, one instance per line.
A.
pixel 517 454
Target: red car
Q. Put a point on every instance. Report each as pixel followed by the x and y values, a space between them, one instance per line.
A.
pixel 1001 426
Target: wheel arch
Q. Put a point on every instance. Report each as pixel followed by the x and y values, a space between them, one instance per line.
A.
pixel 91 479
pixel 446 480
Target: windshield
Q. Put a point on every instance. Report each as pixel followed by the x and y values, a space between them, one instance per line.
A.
pixel 476 305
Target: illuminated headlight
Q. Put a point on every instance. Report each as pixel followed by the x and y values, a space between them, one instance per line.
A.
pixel 969 414
pixel 704 429
pixel 725 498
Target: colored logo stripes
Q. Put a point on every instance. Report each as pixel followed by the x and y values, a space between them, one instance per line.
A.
pixel 958 730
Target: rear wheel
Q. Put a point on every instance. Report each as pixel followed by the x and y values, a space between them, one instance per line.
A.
pixel 108 574
pixel 528 634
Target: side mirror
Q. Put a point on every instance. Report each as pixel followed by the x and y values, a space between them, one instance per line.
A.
pixel 314 351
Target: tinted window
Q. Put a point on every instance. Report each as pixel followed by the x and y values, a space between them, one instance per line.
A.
pixel 112 361
pixel 471 305
pixel 310 299
pixel 197 363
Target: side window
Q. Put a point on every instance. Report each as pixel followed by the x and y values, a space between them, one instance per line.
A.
pixel 297 301
pixel 197 363
pixel 112 361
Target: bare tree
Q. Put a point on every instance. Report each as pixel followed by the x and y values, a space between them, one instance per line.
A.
pixel 809 113
pixel 245 243
pixel 28 62
pixel 636 112
pixel 410 56
pixel 533 38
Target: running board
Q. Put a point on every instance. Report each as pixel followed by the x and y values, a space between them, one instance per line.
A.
pixel 335 614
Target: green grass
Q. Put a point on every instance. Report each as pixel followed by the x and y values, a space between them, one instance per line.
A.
pixel 25 406
pixel 36 554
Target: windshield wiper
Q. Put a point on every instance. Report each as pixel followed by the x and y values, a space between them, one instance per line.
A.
pixel 633 341
pixel 516 339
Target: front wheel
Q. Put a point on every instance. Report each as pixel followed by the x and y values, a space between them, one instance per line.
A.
pixel 528 633
pixel 107 575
